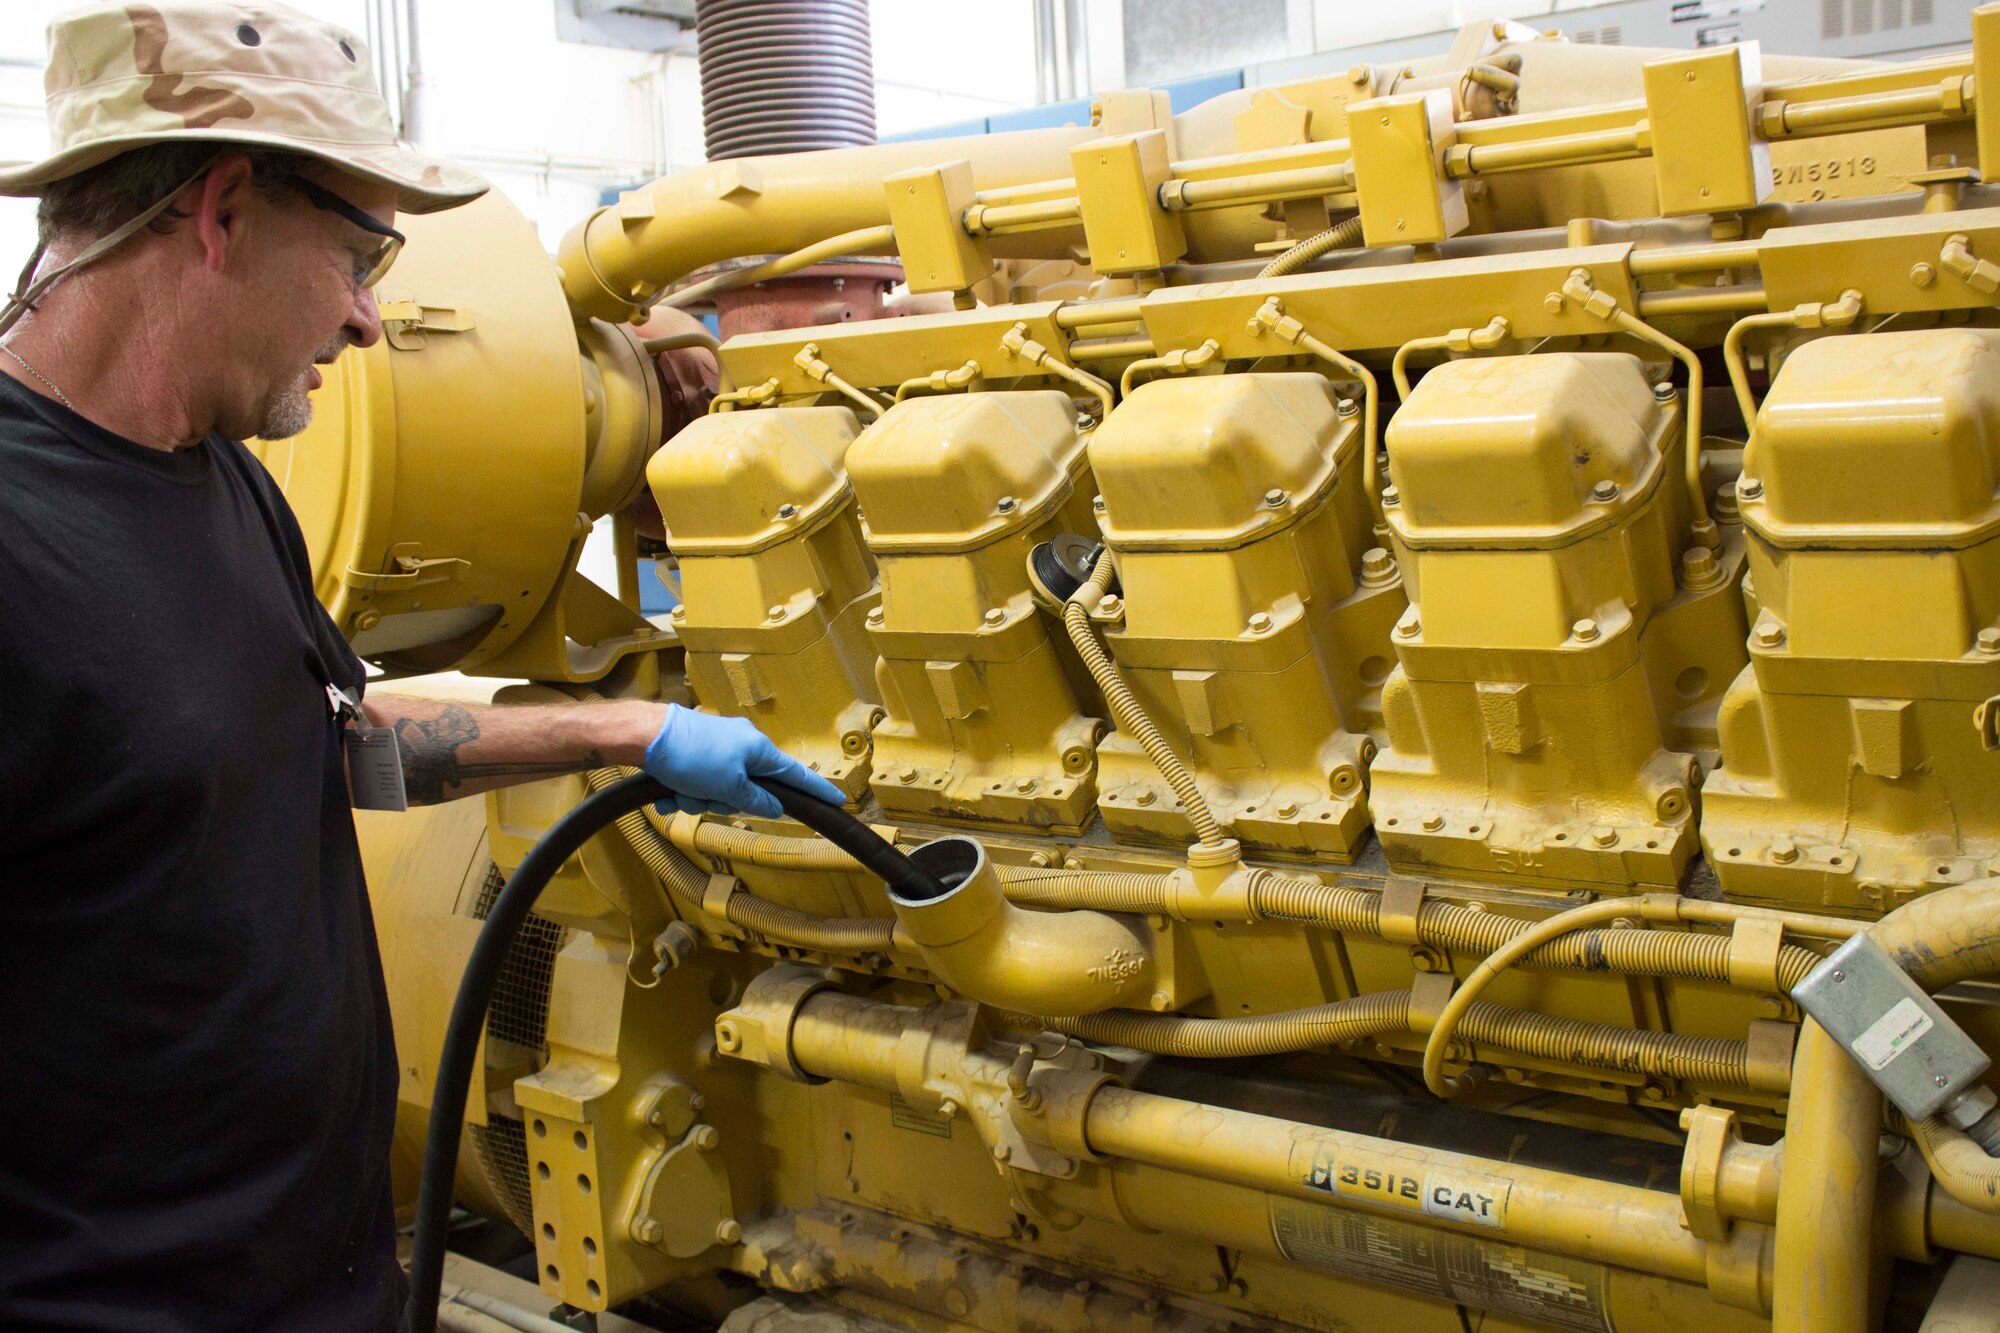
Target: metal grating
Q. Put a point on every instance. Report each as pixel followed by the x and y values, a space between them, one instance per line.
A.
pixel 520 1010
pixel 519 1014
pixel 502 1147
pixel 1861 17
pixel 1889 15
pixel 1922 12
pixel 1832 18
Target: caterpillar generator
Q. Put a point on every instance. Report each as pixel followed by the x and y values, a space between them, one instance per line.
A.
pixel 1438 629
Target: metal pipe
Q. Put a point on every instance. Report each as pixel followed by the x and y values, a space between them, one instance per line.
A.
pixel 1257 187
pixel 1083 314
pixel 999 219
pixel 1702 301
pixel 1110 349
pixel 616 262
pixel 1567 150
pixel 1949 99
pixel 1555 1211
pixel 1662 259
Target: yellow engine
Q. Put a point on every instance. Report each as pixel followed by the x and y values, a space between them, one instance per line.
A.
pixel 1411 612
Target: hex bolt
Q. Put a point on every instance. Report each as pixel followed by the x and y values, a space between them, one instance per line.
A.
pixel 1604 836
pixel 1940 1080
pixel 1356 75
pixel 1665 392
pixel 1001 1152
pixel 775 613
pixel 1345 407
pixel 1287 809
pixel 1432 823
pixel 729 1231
pixel 1007 504
pixel 656 1117
pixel 1989 640
pixel 1145 796
pixel 1748 488
pixel 1553 303
pixel 1784 851
pixel 996 616
pixel 1109 604
pixel 1276 496
pixel 948 1109
pixel 367 618
pixel 788 510
pixel 1768 634
pixel 907 775
pixel 697 1102
pixel 680 612
pixel 1024 786
pixel 1409 629
pixel 1922 274
pixel 1260 623
pixel 1699 567
pixel 874 615
pixel 727 1038
pixel 1604 491
pixel 650 1231
pixel 1377 565
pixel 1584 631
pixel 1391 497
pixel 1097 503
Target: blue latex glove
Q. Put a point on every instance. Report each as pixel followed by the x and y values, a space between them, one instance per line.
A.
pixel 707 762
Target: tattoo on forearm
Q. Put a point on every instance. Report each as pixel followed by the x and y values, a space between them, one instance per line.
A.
pixel 432 772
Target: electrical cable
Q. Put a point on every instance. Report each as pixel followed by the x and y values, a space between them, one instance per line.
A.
pixel 509 912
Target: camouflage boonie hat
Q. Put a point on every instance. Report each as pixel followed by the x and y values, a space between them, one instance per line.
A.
pixel 257 75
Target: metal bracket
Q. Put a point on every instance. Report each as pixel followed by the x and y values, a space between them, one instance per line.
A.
pixel 406 321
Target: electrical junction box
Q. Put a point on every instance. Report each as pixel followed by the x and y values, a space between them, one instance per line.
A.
pixel 1910 1047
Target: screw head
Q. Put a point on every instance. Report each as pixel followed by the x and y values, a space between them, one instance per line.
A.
pixel 1768 634
pixel 996 615
pixel 1007 504
pixel 1287 809
pixel 1584 631
pixel 1145 797
pixel 1260 623
pixel 1553 303
pixel 1784 851
pixel 1922 274
pixel 1276 496
pixel 1432 823
pixel 706 1137
pixel 1604 836
pixel 788 511
pixel 1605 490
pixel 1109 604
pixel 1409 629
pixel 1940 1080
pixel 907 775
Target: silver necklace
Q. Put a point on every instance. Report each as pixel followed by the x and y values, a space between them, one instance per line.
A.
pixel 60 396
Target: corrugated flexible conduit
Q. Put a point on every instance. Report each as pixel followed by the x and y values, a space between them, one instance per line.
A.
pixel 1342 235
pixel 1125 708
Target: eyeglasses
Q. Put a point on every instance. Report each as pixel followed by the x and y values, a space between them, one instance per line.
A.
pixel 368 270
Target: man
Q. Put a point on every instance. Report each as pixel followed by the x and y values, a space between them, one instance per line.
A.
pixel 200 1077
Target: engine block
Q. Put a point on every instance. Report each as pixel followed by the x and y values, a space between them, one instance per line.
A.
pixel 1410 612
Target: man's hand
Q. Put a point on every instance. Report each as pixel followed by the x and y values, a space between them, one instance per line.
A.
pixel 708 761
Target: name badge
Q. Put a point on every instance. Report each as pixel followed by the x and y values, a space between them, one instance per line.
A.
pixel 374 764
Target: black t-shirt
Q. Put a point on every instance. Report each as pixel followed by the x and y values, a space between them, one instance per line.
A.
pixel 197 1073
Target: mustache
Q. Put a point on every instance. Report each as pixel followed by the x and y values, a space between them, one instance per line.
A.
pixel 332 348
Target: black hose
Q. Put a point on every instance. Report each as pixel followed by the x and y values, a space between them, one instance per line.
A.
pixel 504 920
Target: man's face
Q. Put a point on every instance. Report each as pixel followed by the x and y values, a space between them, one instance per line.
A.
pixel 298 306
